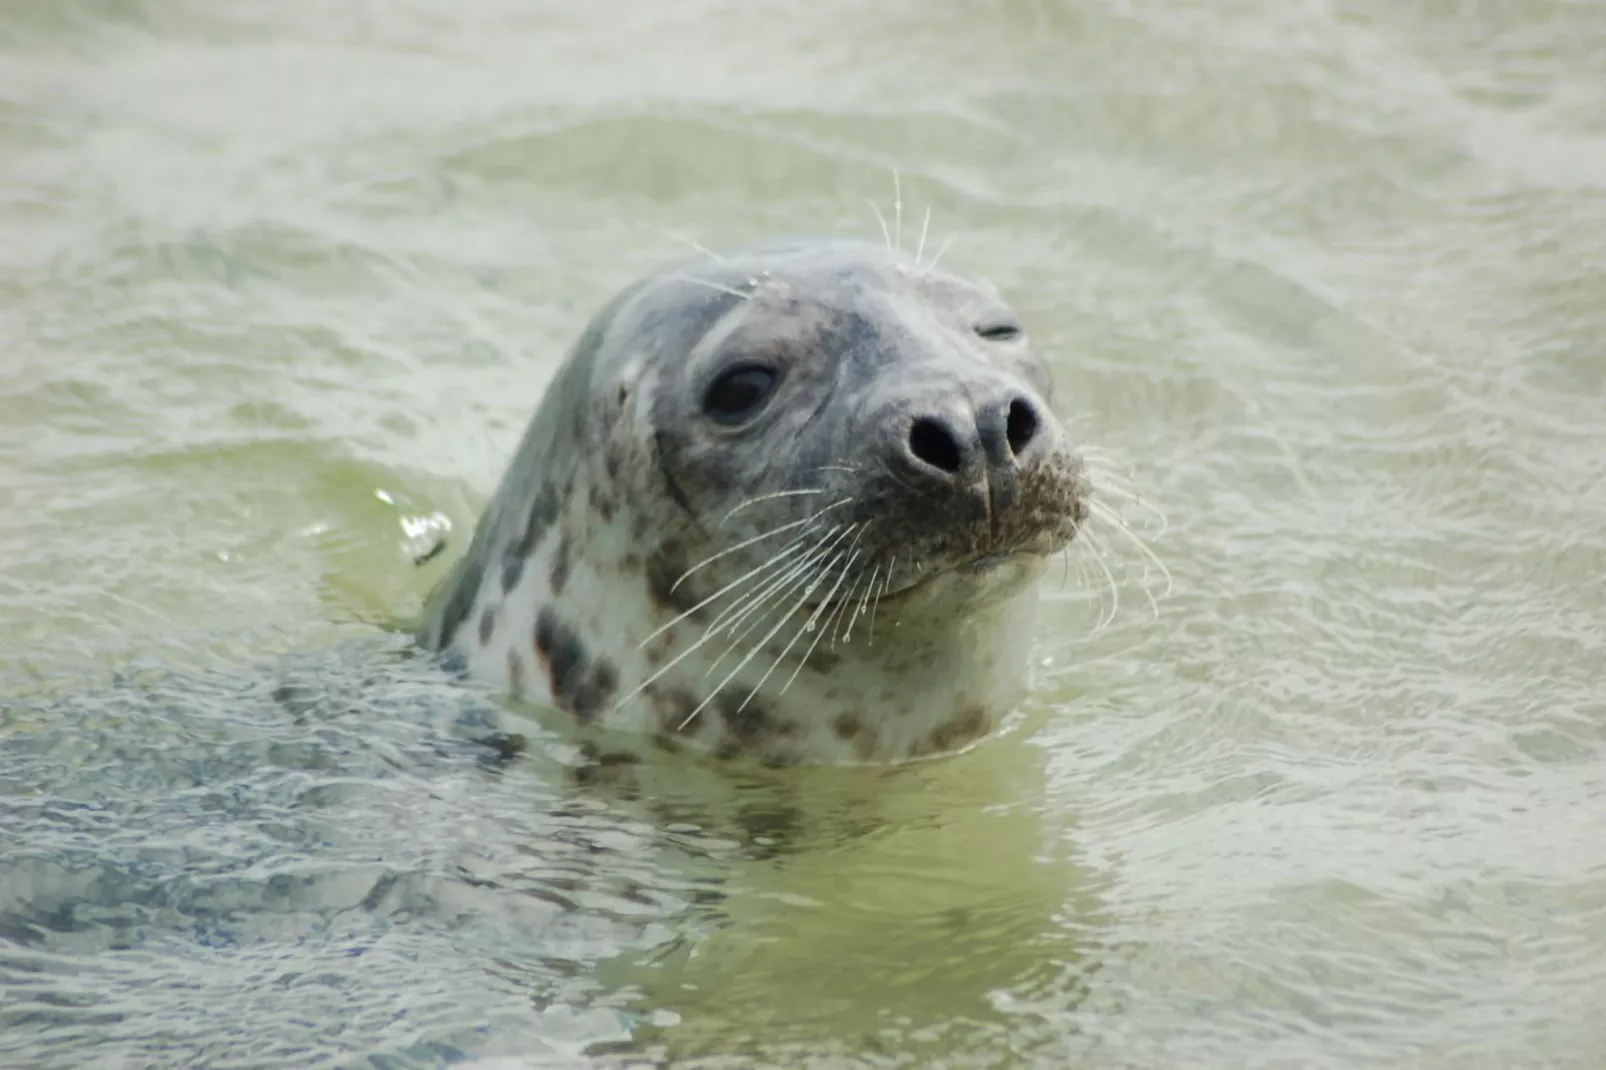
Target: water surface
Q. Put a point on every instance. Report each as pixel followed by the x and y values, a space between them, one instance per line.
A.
pixel 279 280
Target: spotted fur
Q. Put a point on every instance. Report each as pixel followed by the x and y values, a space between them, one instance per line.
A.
pixel 629 520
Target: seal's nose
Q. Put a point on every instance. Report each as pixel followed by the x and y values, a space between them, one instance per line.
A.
pixel 957 445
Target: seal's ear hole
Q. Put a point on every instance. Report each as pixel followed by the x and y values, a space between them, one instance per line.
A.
pixel 999 330
pixel 738 393
pixel 1021 425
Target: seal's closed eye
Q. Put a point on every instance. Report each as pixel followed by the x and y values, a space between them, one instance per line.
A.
pixel 738 393
pixel 999 330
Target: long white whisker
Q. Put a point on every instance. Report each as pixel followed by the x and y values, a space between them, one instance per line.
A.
pixel 800 572
pixel 885 233
pixel 1115 594
pixel 813 567
pixel 721 287
pixel 924 226
pixel 748 542
pixel 869 589
pixel 886 581
pixel 933 265
pixel 809 626
pixel 767 498
pixel 897 210
pixel 692 244
pixel 706 636
pixel 834 619
pixel 1104 512
pixel 753 652
pixel 809 558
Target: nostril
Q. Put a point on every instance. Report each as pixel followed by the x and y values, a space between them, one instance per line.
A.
pixel 933 443
pixel 1021 426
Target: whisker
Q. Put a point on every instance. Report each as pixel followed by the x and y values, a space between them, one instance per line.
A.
pixel 690 243
pixel 754 651
pixel 780 555
pixel 897 210
pixel 814 567
pixel 886 581
pixel 933 265
pixel 712 285
pixel 885 233
pixel 836 619
pixel 713 629
pixel 800 573
pixel 678 658
pixel 924 226
pixel 750 541
pixel 809 627
pixel 864 602
pixel 767 498
pixel 1108 516
pixel 1115 594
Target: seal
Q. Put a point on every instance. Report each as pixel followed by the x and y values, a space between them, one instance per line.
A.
pixel 788 505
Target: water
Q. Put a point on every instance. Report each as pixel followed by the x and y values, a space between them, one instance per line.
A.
pixel 281 278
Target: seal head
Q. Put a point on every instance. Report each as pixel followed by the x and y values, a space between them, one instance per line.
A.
pixel 789 505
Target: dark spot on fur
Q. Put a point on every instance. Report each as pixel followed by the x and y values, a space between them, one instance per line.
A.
pixel 966 727
pixel 487 625
pixel 512 570
pixel 750 726
pixel 454 663
pixel 672 706
pixel 663 569
pixel 867 744
pixel 677 495
pixel 823 661
pixel 458 607
pixel 560 563
pixel 851 728
pixel 543 511
pixel 595 691
pixel 515 673
pixel 631 562
pixel 665 743
pixel 579 685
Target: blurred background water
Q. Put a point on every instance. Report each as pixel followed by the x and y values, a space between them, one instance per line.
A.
pixel 281 282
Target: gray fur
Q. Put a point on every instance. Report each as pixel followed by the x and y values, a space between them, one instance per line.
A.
pixel 626 506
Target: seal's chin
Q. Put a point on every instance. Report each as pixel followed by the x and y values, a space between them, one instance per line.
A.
pixel 980 566
pixel 987 576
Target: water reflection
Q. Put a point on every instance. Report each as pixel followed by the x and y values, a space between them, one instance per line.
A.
pixel 350 838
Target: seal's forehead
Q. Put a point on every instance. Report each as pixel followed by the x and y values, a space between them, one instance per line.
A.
pixel 663 317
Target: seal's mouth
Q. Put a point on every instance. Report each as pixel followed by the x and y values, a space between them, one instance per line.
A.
pixel 988 562
pixel 971 570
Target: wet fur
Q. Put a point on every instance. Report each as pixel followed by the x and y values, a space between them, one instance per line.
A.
pixel 620 509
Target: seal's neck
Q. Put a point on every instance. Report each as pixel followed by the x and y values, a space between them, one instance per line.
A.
pixel 578 619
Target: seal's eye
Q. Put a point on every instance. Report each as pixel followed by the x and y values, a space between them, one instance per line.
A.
pixel 999 330
pixel 738 393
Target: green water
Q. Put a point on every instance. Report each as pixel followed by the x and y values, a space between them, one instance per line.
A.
pixel 1329 278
